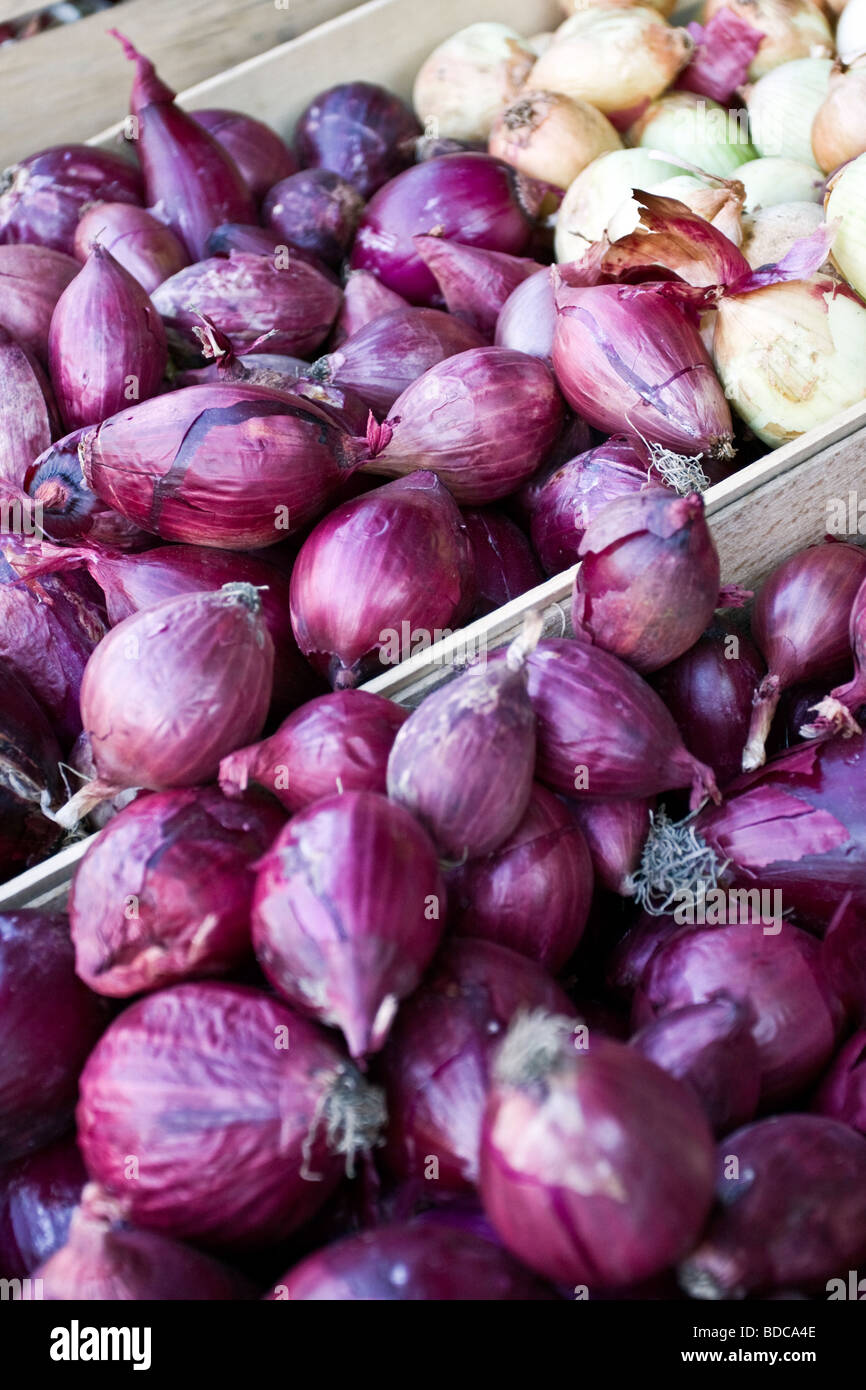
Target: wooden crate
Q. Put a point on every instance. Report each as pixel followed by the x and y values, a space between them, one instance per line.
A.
pixel 759 516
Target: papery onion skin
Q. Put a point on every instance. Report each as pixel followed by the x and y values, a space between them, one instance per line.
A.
pixel 365 299
pixel 790 29
pixel 475 283
pixel 359 130
pixel 467 79
pixel 838 128
pixel 45 193
pixel 845 203
pixel 224 1094
pixel 261 156
pixel 164 893
pixel 724 48
pixel 149 250
pixel 793 1215
pixel 29 767
pixel 32 279
pixel 348 910
pixel 339 741
pixel 527 319
pixel 28 413
pixel 316 210
pixel 842 1094
pixel 38 1194
pixel 615 832
pixel 505 566
pixel 436 1064
pixel 70 510
pixel 49 1021
pixel 596 1166
pixel 361 585
pixel 550 136
pixel 533 893
pixel 599 193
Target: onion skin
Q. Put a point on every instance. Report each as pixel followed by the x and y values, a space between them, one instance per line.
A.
pixel 32 279
pixel 365 299
pixel 409 1262
pixel 505 565
pixel 470 196
pixel 164 894
pixel 70 510
pixel 363 579
pixel 436 1064
pixel 28 413
pixel 261 156
pixel 148 249
pixel 316 210
pixel 225 1116
pixel 838 711
pixel 181 465
pixel 29 767
pixel 792 1217
pixel 38 1194
pixel 337 741
pixel 837 130
pixel 348 910
pixel 527 319
pixel 596 1166
pixel 49 1021
pixel 551 137
pixel 42 203
pixel 630 957
pixel 457 419
pixel 614 59
pixel 106 344
pixel 788 29
pixel 615 832
pixel 533 894
pixel 842 1094
pixel 724 48
pixel 359 130
pixel 475 283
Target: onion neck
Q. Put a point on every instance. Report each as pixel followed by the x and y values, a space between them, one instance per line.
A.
pixel 766 701
pixel 676 861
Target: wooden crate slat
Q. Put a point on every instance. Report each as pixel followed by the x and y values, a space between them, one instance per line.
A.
pixel 17 9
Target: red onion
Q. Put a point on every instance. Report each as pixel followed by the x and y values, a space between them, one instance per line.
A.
pixel 777 976
pixel 615 832
pixel 106 345
pixel 724 49
pixel 437 1060
pixel 32 279
pixel 791 1213
pixel 360 131
pixel 467 197
pixel 29 776
pixel 145 247
pixel 629 357
pixel 527 320
pixel 384 358
pixel 37 1196
pixel 383 571
pixel 596 1166
pixel 249 295
pixel 49 1021
pixel 631 956
pixel 602 731
pixel 149 680
pixel 533 893
pixel 28 414
pixel 463 761
pixel 164 893
pixel 337 742
pixel 649 581
pixel 686 246
pixel 800 622
pixel 411 1262
pixel 348 910
pixel 842 1094
pixel 365 299
pixel 458 420
pixel 69 509
pixel 258 151
pixel 42 197
pixel 505 566
pixel 193 182
pixel 232 466
pixel 836 713
pixel 240 236
pixel 474 282
pixel 711 1048
pixel 241 1114
pixel 316 210
pixel 843 958
pixel 105 1260
pixel 708 690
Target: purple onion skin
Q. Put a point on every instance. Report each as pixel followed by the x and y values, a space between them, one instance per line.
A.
pixel 348 910
pixel 49 1021
pixel 193 181
pixel 261 156
pixel 436 1064
pixel 43 196
pixel 710 1047
pixel 852 694
pixel 365 299
pixel 316 210
pixel 383 359
pixel 794 1017
pixel 582 748
pixel 29 766
pixel 360 131
pixel 164 894
pixel 180 465
pixel 220 1089
pixel 388 568
pixel 32 279
pixel 70 510
pixel 238 236
pixel 842 1094
pixel 532 894
pixel 412 1262
pixel 28 413
pixel 38 1194
pixel 505 566
pixel 792 1216
pixel 527 320
pixel 471 197
pixel 333 742
pixel 843 957
pixel 106 344
pixel 709 690
pixel 630 957
pixel 598 1170
pixel 145 247
pixel 615 833
pixel 475 283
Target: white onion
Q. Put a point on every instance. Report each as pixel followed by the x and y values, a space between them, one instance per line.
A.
pixel 791 356
pixel 771 180
pixel 466 81
pixel 847 202
pixel 851 31
pixel 791 29
pixel 664 7
pixel 551 137
pixel 539 42
pixel 839 128
pixel 697 130
pixel 599 191
pixel 770 232
pixel 783 105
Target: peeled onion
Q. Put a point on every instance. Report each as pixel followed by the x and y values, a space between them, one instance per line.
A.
pixel 463 84
pixel 550 136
